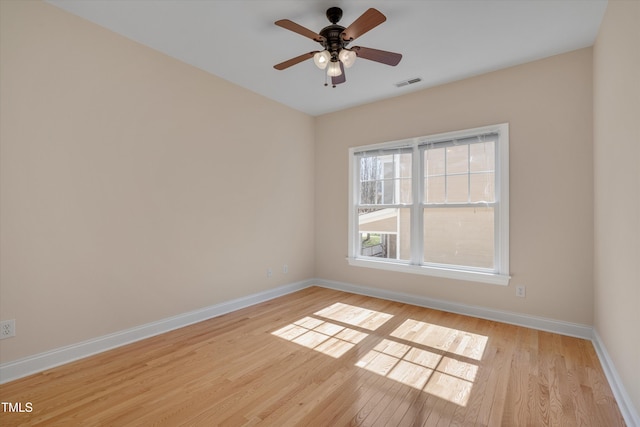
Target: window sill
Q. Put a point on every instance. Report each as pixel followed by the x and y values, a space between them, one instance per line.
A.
pixel 449 273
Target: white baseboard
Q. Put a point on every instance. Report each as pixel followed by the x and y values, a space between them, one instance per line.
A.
pixel 37 363
pixel 539 323
pixel 564 328
pixel 629 413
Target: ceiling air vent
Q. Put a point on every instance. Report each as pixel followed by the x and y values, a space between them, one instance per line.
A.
pixel 408 82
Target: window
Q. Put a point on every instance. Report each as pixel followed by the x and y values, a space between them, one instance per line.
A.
pixel 435 205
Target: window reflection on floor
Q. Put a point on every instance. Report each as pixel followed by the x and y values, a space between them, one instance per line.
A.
pixel 438 360
pixel 442 338
pixel 356 316
pixel 326 337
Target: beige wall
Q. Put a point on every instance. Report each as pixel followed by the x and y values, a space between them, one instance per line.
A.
pixel 135 187
pixel 617 189
pixel 548 105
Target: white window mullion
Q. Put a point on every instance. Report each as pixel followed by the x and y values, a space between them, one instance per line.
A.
pixel 354 200
pixel 497 255
pixel 446 181
pixel 502 196
pixel 398 236
pixel 417 185
pixel 469 174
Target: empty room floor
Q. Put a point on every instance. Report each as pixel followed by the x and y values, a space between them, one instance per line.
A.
pixel 320 357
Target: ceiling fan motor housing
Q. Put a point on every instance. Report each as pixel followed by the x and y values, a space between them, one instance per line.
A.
pixel 333 42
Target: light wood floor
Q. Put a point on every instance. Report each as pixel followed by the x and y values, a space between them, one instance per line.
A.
pixel 320 357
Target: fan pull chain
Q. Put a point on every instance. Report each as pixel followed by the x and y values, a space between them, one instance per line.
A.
pixel 326 81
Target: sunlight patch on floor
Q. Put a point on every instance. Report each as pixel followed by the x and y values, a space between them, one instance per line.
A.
pixel 400 362
pixel 431 358
pixel 442 376
pixel 356 316
pixel 463 343
pixel 325 337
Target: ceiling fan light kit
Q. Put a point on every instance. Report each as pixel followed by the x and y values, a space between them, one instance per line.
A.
pixel 347 57
pixel 334 69
pixel 335 56
pixel 322 59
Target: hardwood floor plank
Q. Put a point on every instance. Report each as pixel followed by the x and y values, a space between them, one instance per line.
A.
pixel 515 410
pixel 320 357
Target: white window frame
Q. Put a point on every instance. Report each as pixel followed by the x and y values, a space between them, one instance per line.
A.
pixel 500 274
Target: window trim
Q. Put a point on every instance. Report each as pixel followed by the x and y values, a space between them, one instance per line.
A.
pixel 501 277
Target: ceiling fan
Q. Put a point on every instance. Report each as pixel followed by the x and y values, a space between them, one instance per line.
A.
pixel 334 39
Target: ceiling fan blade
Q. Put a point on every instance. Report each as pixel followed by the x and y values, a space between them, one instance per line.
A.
pixel 367 21
pixel 389 58
pixel 297 28
pixel 339 79
pixel 294 61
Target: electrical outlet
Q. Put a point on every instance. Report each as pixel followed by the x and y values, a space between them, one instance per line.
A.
pixel 269 272
pixel 7 328
pixel 285 269
pixel 521 291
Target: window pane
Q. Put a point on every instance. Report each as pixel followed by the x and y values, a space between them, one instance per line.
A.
pixel 388 187
pixel 457 188
pixel 387 167
pixel 483 187
pixel 385 233
pixel 434 190
pixel 434 162
pixel 369 168
pixel 482 157
pixel 458 159
pixel 459 236
pixel 405 191
pixel 405 165
pixel 385 179
pixel 370 192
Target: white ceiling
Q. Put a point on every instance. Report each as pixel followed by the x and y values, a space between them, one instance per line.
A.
pixel 440 40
